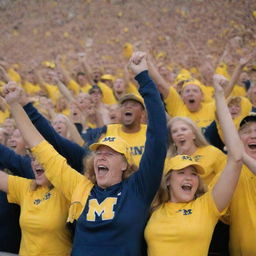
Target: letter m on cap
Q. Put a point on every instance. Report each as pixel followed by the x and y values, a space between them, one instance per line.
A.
pixel 110 139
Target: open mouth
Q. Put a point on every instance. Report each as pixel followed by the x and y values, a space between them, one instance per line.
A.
pixel 112 117
pixel 191 101
pixel 39 172
pixel 128 114
pixel 12 145
pixel 102 168
pixel 182 142
pixel 252 146
pixel 186 187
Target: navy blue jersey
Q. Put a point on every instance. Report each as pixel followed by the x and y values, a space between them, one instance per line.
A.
pixel 113 220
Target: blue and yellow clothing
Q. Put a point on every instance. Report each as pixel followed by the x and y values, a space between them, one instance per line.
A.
pixel 105 224
pixel 70 150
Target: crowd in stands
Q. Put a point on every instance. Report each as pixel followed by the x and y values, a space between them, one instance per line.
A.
pixel 156 160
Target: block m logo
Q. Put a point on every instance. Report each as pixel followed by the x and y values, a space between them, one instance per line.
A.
pixel 103 210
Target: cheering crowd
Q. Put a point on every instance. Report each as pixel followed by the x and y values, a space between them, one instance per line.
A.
pixel 155 161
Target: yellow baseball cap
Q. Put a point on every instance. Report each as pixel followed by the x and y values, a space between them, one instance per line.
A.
pixel 117 144
pixel 197 83
pixel 180 162
pixel 132 96
pixel 108 77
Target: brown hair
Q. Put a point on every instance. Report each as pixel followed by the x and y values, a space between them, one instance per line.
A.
pixel 236 100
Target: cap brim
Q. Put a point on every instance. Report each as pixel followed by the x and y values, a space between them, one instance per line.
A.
pixel 200 170
pixel 94 146
pixel 132 97
pixel 247 119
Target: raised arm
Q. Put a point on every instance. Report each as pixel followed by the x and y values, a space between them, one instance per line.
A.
pixel 30 134
pixel 226 184
pixel 242 63
pixel 57 170
pixel 152 161
pixel 162 85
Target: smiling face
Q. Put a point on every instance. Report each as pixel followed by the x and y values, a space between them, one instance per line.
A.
pixel 40 177
pixel 131 113
pixel 109 166
pixel 248 138
pixel 183 185
pixel 192 97
pixel 183 137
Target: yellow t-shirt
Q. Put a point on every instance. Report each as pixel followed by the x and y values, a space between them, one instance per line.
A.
pixel 212 159
pixel 238 91
pixel 243 216
pixel 136 141
pixel 86 88
pixel 132 88
pixel 42 219
pixel 176 107
pixel 208 93
pixel 31 88
pixel 108 95
pixel 53 92
pixel 73 86
pixel 75 186
pixel 182 228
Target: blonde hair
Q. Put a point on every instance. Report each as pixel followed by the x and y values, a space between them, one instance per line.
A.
pixel 89 172
pixel 67 122
pixel 163 194
pixel 234 100
pixel 199 140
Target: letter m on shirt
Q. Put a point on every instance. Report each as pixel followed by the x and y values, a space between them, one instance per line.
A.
pixel 105 209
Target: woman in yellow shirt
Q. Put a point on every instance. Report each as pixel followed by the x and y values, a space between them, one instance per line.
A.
pixel 184 217
pixel 44 211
